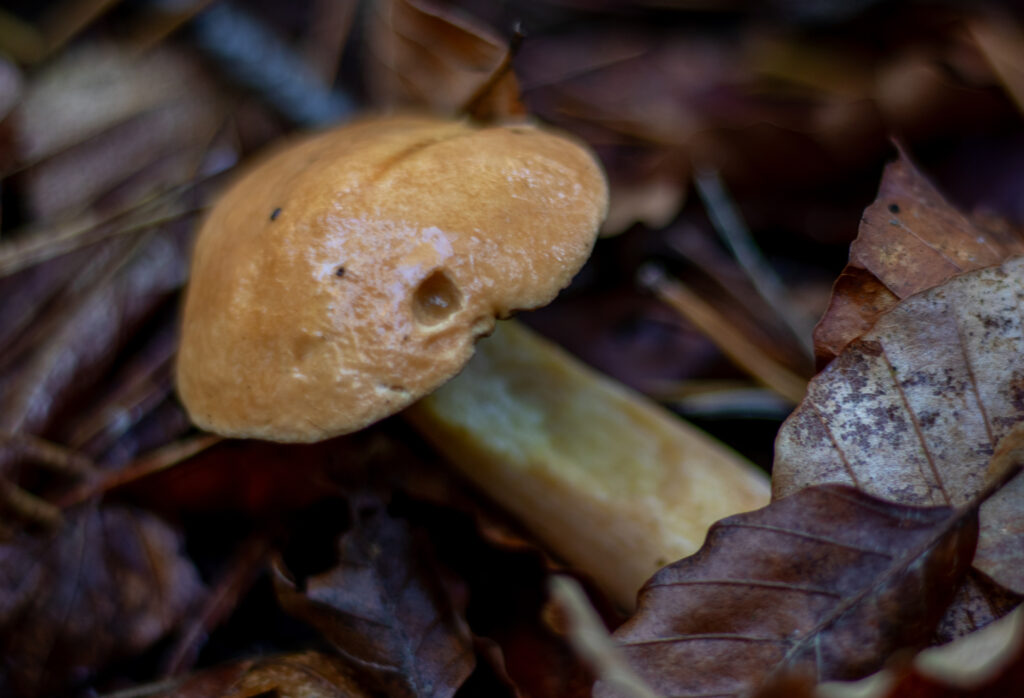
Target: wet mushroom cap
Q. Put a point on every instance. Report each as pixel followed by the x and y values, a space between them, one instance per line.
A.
pixel 349 274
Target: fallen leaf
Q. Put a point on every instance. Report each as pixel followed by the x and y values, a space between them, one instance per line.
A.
pixel 914 409
pixel 427 55
pixel 101 126
pixel 301 675
pixel 987 663
pixel 306 675
pixel 910 239
pixel 91 326
pixel 826 583
pixel 110 583
pixel 383 607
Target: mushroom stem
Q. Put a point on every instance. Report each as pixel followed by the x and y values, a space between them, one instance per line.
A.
pixel 615 484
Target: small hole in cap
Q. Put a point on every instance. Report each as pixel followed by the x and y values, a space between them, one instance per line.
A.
pixel 436 299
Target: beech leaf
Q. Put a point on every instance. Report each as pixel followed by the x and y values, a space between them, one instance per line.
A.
pixel 914 409
pixel 426 55
pixel 910 239
pixel 825 583
pixel 988 662
pixel 383 607
pixel 108 584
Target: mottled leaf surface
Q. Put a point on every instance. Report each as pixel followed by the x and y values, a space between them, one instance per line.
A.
pixel 910 239
pixel 111 582
pixel 913 410
pixel 825 583
pixel 384 608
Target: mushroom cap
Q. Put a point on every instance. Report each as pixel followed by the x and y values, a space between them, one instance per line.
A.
pixel 349 274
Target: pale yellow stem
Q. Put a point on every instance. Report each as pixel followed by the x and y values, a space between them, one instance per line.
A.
pixel 612 482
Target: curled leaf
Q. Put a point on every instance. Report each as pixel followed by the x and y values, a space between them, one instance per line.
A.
pixel 910 239
pixel 825 583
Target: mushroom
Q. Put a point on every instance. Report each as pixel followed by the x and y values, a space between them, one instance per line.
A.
pixel 350 274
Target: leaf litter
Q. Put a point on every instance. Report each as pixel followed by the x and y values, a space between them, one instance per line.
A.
pixel 648 148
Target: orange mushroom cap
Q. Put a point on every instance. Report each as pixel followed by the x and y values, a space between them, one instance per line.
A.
pixel 349 274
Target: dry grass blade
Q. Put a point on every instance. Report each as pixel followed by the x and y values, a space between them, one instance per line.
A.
pixel 158 461
pixel 35 247
pixel 724 334
pixel 730 226
pixel 591 640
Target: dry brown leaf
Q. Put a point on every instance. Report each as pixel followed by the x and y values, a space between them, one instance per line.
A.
pixel 426 55
pixel 109 584
pixel 383 607
pixel 93 324
pixel 302 675
pixel 913 410
pixel 100 123
pixel 825 583
pixel 911 239
pixel 988 663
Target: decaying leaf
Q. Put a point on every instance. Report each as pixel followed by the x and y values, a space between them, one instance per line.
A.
pixel 383 608
pixel 102 124
pixel 306 675
pixel 426 55
pixel 301 675
pixel 914 409
pixel 109 584
pixel 911 239
pixel 988 663
pixel 824 583
pixel 92 325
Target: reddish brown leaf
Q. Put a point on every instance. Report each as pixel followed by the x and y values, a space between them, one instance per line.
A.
pixel 988 663
pixel 826 583
pixel 911 239
pixel 109 584
pixel 426 55
pixel 309 675
pixel 384 608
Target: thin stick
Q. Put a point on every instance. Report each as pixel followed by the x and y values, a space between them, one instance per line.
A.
pixel 729 224
pixel 161 459
pixel 53 456
pixel 731 341
pixel 593 644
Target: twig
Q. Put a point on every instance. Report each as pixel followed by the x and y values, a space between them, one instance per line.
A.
pixel 242 570
pixel 257 58
pixel 727 220
pixel 592 643
pixel 731 341
pixel 53 456
pixel 161 459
